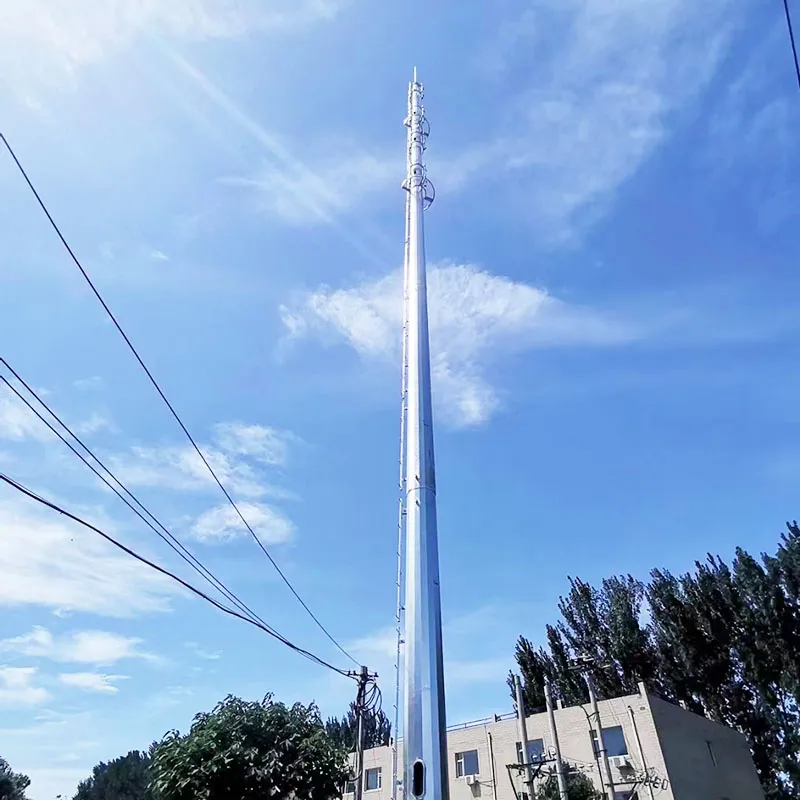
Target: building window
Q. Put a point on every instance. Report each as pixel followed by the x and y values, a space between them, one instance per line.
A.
pixel 372 779
pixel 350 787
pixel 711 753
pixel 614 741
pixel 467 763
pixel 535 752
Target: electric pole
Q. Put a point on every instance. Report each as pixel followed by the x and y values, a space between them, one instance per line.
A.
pixel 551 717
pixel 363 678
pixel 522 726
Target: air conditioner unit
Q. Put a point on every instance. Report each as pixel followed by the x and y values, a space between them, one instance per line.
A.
pixel 472 780
pixel 620 762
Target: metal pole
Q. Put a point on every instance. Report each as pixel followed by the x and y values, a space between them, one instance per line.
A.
pixel 401 512
pixel 562 782
pixel 490 742
pixel 522 725
pixel 601 745
pixel 362 686
pixel 640 750
pixel 424 725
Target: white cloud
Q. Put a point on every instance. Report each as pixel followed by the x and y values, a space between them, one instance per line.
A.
pixel 94 424
pixel 590 113
pixel 382 643
pixel 17 421
pixel 80 647
pixel 181 468
pixel 475 317
pixel 301 196
pixel 48 562
pixel 92 383
pixel 92 681
pixel 17 689
pixel 68 35
pixel 597 104
pixel 223 524
pixel 206 655
pixel 260 442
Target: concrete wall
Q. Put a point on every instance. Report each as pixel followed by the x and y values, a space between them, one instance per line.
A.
pixel 673 742
pixel 694 773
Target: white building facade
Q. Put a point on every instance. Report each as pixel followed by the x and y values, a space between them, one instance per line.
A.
pixel 657 751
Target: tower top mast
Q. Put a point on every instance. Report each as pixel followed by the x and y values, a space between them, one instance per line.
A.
pixel 424 738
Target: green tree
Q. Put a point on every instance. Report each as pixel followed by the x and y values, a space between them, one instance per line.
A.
pixel 535 666
pixel 124 778
pixel 579 787
pixel 250 749
pixel 376 729
pixel 723 639
pixel 12 784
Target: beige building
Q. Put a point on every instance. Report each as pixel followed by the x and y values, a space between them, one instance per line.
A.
pixel 657 751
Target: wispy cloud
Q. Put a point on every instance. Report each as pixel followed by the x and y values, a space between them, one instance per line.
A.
pixel 475 318
pixel 597 104
pixel 337 186
pixel 92 681
pixel 17 422
pixel 101 648
pixel 92 383
pixel 94 424
pixel 264 444
pixel 752 135
pixel 206 655
pixel 594 109
pixel 47 562
pixel 180 468
pixel 81 32
pixel 17 687
pixel 222 524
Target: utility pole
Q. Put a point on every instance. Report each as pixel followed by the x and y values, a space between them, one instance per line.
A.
pixel 607 778
pixel 424 725
pixel 522 726
pixel 562 783
pixel 640 750
pixel 363 677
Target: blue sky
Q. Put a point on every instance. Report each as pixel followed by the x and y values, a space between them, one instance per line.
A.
pixel 613 257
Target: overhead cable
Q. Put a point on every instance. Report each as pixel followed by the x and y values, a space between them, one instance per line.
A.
pixel 792 41
pixel 75 518
pixel 163 396
pixel 164 534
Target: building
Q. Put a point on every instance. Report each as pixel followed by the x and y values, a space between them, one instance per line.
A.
pixel 657 751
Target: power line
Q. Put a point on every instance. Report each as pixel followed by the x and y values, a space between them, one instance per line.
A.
pixel 172 541
pixel 791 39
pixel 166 401
pixel 271 632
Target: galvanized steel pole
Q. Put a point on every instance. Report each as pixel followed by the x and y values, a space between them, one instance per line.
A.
pixel 424 738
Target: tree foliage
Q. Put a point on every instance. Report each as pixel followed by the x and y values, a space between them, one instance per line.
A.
pixel 376 729
pixel 579 787
pixel 250 749
pixel 723 639
pixel 12 784
pixel 124 778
